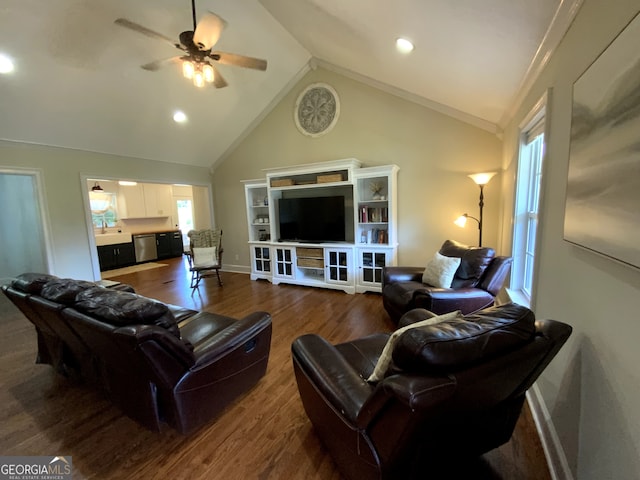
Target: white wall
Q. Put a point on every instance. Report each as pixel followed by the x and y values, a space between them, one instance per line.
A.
pixel 592 389
pixel 202 208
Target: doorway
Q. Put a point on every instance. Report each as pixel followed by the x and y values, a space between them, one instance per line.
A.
pixel 184 214
pixel 23 235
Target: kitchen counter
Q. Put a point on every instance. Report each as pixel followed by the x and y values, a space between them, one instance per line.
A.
pixel 122 249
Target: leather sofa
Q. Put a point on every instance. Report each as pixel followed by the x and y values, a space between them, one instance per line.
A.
pixel 454 390
pixel 158 363
pixel 475 285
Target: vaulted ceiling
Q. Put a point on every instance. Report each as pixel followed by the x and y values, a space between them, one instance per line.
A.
pixel 78 83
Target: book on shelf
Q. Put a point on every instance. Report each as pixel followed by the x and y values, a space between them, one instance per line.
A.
pixel 375 235
pixel 374 214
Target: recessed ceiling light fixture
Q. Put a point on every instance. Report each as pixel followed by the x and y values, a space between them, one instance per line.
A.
pixel 403 45
pixel 179 117
pixel 6 64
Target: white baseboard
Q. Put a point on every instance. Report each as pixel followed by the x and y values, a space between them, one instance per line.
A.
pixel 235 268
pixel 556 459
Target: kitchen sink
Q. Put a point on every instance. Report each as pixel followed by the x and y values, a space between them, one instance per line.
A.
pixel 112 238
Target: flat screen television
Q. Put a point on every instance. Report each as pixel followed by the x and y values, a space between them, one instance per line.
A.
pixel 312 219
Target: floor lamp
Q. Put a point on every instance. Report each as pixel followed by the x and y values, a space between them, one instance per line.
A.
pixel 481 179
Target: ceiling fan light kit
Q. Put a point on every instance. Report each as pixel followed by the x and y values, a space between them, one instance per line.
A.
pixel 196 46
pixel 200 72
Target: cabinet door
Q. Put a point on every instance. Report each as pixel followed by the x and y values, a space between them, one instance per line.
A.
pixel 107 257
pixel 157 200
pixel 284 262
pixel 338 265
pixel 163 245
pixel 371 263
pixel 125 254
pixel 177 248
pixel 261 260
pixel 134 205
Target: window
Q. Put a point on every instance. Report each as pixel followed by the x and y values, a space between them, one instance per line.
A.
pixel 527 203
pixel 104 211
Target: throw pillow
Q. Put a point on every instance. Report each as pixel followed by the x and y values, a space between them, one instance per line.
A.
pixel 385 357
pixel 440 271
pixel 205 257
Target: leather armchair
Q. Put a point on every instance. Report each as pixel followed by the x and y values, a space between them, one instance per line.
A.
pixel 475 285
pixel 454 390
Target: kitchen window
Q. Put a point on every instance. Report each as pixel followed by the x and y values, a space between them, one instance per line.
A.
pixel 104 209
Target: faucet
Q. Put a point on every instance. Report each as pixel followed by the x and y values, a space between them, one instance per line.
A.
pixel 104 226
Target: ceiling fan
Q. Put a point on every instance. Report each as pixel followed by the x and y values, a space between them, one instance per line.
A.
pixel 196 46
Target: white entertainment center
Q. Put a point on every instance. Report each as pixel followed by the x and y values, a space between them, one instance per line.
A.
pixel 370 225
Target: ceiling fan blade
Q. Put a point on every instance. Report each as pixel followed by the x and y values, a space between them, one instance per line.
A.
pixel 218 80
pixel 153 66
pixel 123 22
pixel 208 31
pixel 239 60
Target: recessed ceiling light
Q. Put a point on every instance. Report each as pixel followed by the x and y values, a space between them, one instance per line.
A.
pixel 179 117
pixel 403 45
pixel 6 64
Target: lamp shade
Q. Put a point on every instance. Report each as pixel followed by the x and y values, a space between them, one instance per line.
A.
pixel 482 178
pixel 461 221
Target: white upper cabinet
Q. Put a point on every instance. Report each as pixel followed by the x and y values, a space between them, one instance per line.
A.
pixel 146 200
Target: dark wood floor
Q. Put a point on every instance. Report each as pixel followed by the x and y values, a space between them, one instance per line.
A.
pixel 265 435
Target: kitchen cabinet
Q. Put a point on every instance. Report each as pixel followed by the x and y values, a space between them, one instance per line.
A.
pixel 132 204
pixel 177 247
pixel 157 199
pixel 169 244
pixel 163 245
pixel 116 256
pixel 146 200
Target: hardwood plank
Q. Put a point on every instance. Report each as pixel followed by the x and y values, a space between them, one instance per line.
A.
pixel 264 435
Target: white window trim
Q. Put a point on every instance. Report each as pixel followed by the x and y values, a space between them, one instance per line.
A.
pixel 539 111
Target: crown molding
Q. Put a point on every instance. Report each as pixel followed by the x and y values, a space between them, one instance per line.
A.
pixel 562 20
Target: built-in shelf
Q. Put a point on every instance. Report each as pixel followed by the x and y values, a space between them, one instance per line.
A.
pixel 371 230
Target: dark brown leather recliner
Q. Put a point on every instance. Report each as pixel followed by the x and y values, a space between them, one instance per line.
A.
pixel 454 390
pixel 475 285
pixel 159 363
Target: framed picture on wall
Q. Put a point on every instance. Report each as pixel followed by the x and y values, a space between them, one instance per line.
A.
pixel 602 210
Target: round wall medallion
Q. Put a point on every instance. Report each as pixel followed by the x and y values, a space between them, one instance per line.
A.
pixel 317 109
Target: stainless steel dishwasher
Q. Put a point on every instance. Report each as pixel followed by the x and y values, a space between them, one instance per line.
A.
pixel 145 247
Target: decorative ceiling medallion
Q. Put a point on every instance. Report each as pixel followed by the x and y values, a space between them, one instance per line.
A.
pixel 317 109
